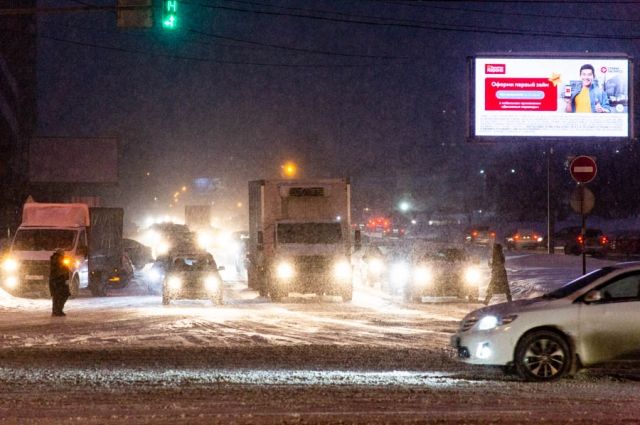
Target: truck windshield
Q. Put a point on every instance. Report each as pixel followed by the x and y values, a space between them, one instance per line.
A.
pixel 44 239
pixel 309 233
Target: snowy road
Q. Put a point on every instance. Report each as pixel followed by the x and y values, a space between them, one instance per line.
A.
pixel 126 358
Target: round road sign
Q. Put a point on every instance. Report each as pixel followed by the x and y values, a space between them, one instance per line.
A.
pixel 583 169
pixel 582 200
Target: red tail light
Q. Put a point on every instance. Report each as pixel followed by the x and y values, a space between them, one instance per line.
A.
pixel 474 233
pixel 580 239
pixel 492 234
pixel 516 236
pixel 603 240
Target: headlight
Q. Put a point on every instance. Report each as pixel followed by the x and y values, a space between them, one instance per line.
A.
pixel 162 248
pixel 174 282
pixel 342 270
pixel 375 266
pixel 154 275
pixel 472 275
pixel 491 322
pixel 284 270
pixel 11 282
pixel 399 274
pixel 205 239
pixel 10 265
pixel 423 275
pixel 211 283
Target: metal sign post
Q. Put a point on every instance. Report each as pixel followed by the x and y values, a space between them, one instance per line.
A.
pixel 583 170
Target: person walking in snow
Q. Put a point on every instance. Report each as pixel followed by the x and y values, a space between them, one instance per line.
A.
pixel 498 283
pixel 58 282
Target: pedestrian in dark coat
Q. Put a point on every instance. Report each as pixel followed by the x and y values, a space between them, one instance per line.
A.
pixel 499 283
pixel 58 282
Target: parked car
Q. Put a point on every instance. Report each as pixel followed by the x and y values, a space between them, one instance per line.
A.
pixel 523 238
pixel 479 235
pixel 447 272
pixel 625 244
pixel 192 276
pixel 588 321
pixel 570 239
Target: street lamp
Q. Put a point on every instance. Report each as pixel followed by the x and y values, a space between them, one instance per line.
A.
pixel 404 206
pixel 289 170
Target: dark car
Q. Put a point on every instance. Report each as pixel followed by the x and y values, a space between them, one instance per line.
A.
pixel 192 276
pixel 138 253
pixel 625 244
pixel 447 272
pixel 571 241
pixel 524 239
pixel 480 235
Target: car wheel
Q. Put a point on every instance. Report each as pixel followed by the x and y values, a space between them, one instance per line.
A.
pixel 543 356
pixel 347 294
pixel 74 288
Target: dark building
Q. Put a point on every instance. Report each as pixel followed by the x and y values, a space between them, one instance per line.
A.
pixel 17 106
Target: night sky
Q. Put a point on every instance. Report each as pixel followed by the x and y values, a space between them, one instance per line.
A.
pixel 375 90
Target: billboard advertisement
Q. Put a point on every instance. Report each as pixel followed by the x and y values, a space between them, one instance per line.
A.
pixel 73 160
pixel 551 97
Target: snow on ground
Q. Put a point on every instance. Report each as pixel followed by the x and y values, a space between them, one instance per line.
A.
pixel 126 358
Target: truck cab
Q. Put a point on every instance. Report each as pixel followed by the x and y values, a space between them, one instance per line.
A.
pixel 45 228
pixel 299 237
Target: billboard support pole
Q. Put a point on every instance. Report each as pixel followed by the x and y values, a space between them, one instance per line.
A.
pixel 550 221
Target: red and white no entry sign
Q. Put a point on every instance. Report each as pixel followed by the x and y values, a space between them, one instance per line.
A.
pixel 583 169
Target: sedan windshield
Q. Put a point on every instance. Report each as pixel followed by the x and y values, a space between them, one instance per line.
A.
pixel 44 239
pixel 578 283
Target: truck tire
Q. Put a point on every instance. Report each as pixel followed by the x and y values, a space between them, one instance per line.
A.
pixel 98 287
pixel 74 287
pixel 347 294
pixel 165 299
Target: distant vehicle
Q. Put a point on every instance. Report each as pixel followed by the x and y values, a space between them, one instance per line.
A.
pixel 571 241
pixel 591 320
pixel 524 238
pixel 447 272
pixel 192 276
pixel 480 235
pixel 625 244
pixel 139 254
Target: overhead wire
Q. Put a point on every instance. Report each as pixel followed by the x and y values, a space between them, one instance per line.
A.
pixel 433 26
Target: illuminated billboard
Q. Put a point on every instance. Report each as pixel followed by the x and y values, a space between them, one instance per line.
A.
pixel 568 97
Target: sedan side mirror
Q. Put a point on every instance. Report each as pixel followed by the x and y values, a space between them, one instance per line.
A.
pixel 593 296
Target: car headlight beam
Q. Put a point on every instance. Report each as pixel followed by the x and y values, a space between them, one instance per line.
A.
pixel 491 321
pixel 472 275
pixel 342 270
pixel 10 265
pixel 174 283
pixel 422 275
pixel 211 283
pixel 285 270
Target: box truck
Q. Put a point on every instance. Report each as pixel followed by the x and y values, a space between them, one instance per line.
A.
pixel 300 237
pixel 90 237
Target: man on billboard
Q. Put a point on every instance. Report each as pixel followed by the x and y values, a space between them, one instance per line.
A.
pixel 587 97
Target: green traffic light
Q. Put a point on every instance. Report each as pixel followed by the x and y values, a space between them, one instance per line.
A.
pixel 169 22
pixel 169 11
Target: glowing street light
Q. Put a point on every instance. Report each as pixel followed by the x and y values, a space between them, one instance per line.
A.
pixel 404 206
pixel 289 169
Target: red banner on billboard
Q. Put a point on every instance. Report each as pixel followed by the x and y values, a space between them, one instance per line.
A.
pixel 520 94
